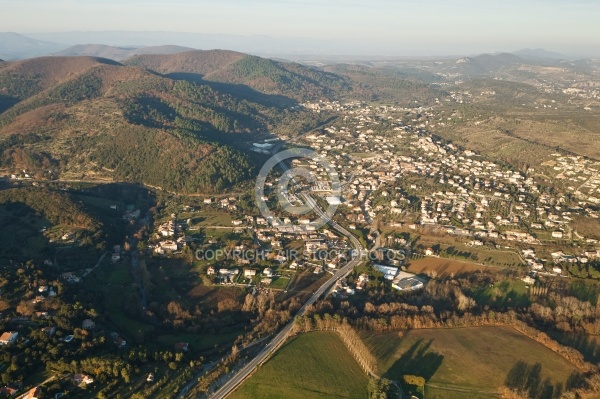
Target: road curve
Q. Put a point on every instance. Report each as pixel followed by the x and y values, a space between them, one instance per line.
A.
pixel 280 338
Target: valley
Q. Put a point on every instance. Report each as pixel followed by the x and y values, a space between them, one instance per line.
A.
pixel 147 254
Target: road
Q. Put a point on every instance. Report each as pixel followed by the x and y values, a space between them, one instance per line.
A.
pixel 280 338
pixel 48 380
pixel 97 264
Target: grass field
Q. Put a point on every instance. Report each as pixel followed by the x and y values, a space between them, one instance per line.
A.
pixel 211 218
pixel 314 365
pixel 475 359
pixel 280 282
pixel 504 293
pixel 483 255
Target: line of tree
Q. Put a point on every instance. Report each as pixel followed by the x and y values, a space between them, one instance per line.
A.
pixel 349 337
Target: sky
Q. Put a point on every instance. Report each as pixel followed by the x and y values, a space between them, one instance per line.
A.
pixel 383 27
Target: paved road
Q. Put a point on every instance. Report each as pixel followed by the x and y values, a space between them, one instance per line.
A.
pixel 272 346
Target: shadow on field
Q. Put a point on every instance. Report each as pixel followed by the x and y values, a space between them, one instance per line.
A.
pixel 585 344
pixel 418 360
pixel 527 378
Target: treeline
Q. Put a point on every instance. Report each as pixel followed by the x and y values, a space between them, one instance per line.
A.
pixel 586 378
pixel 351 339
pixel 524 382
pixel 567 313
pixel 107 367
pixel 424 318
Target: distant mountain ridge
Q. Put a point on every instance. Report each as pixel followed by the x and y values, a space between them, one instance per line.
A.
pixel 484 64
pixel 540 53
pixel 118 53
pixel 16 46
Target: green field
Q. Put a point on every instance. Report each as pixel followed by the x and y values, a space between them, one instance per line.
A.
pixel 504 293
pixel 314 365
pixel 211 218
pixel 280 282
pixel 476 359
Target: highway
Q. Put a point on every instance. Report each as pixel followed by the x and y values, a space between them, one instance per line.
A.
pixel 280 338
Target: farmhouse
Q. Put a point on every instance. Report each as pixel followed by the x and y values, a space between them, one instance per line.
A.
pixel 167 229
pixel 8 337
pixel 82 379
pixel 8 391
pixel 528 280
pixel 49 330
pixel 167 245
pixel 268 272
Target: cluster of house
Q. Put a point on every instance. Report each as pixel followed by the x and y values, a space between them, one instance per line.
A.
pixel 580 173
pixel 542 266
pixel 473 196
pixel 231 276
pixel 226 203
pixel 583 90
pixel 70 277
pixel 170 230
pixel 341 288
pixel 44 292
pixel 24 174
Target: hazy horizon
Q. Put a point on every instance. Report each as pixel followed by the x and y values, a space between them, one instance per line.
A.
pixel 380 27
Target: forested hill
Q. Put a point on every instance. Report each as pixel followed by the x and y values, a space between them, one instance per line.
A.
pixel 291 80
pixel 94 118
